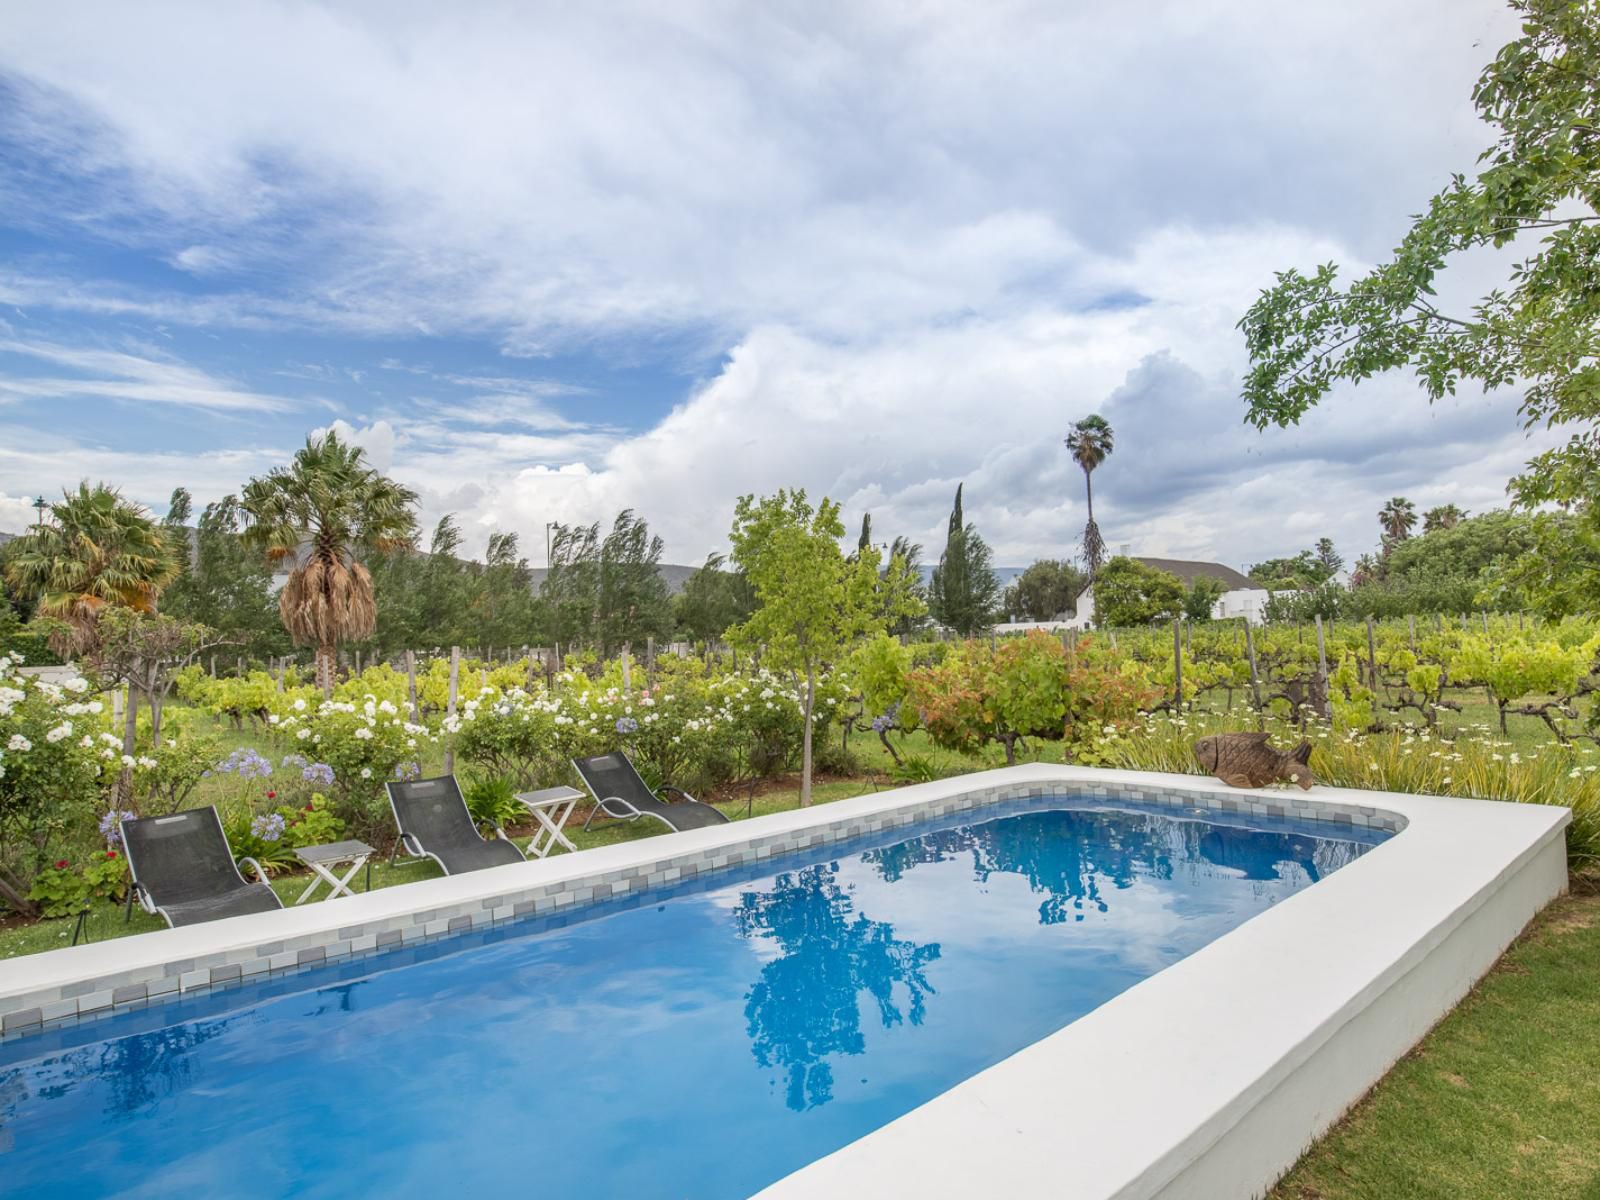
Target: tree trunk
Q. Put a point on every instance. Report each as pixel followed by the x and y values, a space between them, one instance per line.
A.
pixel 16 901
pixel 805 743
pixel 123 792
pixel 883 736
pixel 325 669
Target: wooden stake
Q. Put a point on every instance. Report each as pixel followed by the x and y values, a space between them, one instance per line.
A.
pixel 627 671
pixel 1372 656
pixel 1411 623
pixel 1177 663
pixel 1255 680
pixel 411 686
pixel 450 708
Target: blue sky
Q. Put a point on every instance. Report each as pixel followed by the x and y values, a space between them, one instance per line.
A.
pixel 547 262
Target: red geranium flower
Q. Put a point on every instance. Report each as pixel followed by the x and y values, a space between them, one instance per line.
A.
pixel 62 864
pixel 308 808
pixel 111 853
pixel 272 795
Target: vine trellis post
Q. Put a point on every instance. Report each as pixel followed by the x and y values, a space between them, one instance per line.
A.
pixel 1255 679
pixel 1177 664
pixel 450 706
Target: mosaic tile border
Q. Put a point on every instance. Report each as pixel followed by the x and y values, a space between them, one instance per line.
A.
pixel 29 1012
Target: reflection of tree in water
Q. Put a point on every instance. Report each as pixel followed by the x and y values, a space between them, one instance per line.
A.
pixel 136 1070
pixel 1068 855
pixel 806 1004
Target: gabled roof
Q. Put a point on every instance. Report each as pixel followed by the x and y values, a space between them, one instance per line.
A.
pixel 1187 570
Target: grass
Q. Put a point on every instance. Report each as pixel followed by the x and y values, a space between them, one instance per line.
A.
pixel 106 921
pixel 1499 1100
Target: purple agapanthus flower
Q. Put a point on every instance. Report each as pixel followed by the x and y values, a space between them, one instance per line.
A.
pixel 108 826
pixel 268 827
pixel 246 764
pixel 294 760
pixel 627 725
pixel 318 773
pixel 405 771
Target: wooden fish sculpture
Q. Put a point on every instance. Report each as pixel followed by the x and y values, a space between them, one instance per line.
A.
pixel 1247 760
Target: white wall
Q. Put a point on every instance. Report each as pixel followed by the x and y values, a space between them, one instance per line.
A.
pixel 1242 602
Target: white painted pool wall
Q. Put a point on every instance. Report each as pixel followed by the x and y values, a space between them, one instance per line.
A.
pixel 1207 1080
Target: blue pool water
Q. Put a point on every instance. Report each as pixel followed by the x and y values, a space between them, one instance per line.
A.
pixel 702 1044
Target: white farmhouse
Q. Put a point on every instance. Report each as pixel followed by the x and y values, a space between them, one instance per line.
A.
pixel 1244 597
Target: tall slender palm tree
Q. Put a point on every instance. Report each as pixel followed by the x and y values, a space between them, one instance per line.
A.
pixel 1090 442
pixel 1397 519
pixel 320 515
pixel 96 549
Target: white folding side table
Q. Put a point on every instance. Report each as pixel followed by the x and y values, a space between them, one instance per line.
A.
pixel 321 858
pixel 550 807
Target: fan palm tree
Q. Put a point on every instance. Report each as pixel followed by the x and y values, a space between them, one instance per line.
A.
pixel 320 515
pixel 97 549
pixel 1397 518
pixel 1090 442
pixel 1445 516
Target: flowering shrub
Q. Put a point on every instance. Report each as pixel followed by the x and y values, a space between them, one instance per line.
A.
pixel 51 779
pixel 61 889
pixel 357 747
pixel 690 730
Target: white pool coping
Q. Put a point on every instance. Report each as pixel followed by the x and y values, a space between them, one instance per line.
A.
pixel 1208 1079
pixel 1204 1081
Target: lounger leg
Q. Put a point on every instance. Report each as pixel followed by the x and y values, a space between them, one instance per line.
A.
pixel 128 915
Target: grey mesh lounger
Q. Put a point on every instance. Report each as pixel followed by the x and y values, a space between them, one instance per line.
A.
pixel 184 871
pixel 435 823
pixel 619 792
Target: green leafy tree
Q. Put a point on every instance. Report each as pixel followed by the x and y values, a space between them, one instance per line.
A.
pixel 1305 569
pixel 1202 597
pixel 713 600
pixel 227 587
pixel 1328 558
pixel 1046 590
pixel 963 590
pixel 1128 592
pixel 607 591
pixel 813 603
pixel 95 551
pixel 320 516
pixel 1539 179
pixel 1090 442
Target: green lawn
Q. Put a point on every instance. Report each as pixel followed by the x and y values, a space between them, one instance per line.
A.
pixel 107 921
pixel 1501 1100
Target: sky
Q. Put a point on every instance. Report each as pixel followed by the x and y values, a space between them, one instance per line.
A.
pixel 548 261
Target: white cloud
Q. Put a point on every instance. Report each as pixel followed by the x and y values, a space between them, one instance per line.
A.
pixel 927 239
pixel 117 375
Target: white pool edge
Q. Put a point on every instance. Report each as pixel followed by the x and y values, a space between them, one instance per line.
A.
pixel 1206 1080
pixel 1209 1079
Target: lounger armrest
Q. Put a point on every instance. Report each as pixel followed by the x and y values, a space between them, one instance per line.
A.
pixel 256 867
pixel 138 890
pixel 667 787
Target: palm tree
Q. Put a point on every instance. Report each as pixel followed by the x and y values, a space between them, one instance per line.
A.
pixel 1090 442
pixel 1445 516
pixel 1397 518
pixel 320 514
pixel 97 549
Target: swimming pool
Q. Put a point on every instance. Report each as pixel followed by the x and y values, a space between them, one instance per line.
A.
pixel 701 1042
